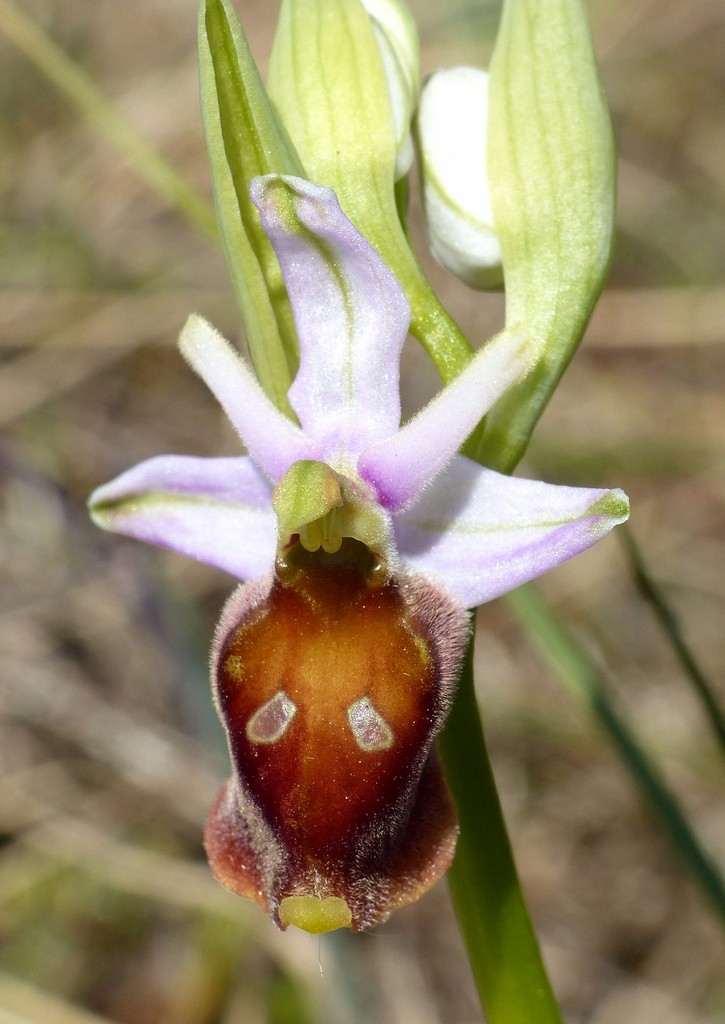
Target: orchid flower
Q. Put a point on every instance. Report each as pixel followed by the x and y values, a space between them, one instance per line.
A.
pixel 360 544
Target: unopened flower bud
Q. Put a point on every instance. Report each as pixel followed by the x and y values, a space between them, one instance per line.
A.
pixel 452 124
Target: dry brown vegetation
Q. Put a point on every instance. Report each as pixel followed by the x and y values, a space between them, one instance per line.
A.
pixel 109 751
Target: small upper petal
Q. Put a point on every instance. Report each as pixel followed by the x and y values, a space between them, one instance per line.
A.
pixel 480 533
pixel 400 466
pixel 351 315
pixel 273 440
pixel 218 511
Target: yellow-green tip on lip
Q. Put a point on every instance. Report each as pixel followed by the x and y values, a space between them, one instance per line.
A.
pixel 315 915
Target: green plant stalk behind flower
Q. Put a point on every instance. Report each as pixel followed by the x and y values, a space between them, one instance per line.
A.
pixel 484 884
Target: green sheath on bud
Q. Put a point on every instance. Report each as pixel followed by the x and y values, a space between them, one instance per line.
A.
pixel 245 138
pixel 552 174
pixel 397 38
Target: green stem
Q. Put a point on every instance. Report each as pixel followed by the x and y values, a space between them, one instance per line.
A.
pixel 502 946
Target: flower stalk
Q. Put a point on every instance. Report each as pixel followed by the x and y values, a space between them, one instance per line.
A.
pixel 505 959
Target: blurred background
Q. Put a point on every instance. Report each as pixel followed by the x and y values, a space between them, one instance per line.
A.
pixel 109 750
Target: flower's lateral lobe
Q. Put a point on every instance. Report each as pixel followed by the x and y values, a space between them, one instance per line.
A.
pixel 273 441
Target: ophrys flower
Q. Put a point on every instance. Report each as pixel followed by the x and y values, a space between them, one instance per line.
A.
pixel 362 543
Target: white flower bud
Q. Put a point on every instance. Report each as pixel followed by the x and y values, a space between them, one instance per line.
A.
pixel 452 125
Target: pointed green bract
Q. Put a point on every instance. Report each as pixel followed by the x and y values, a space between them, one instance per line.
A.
pixel 328 82
pixel 552 169
pixel 245 138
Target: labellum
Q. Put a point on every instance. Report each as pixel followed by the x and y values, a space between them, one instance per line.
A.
pixel 333 680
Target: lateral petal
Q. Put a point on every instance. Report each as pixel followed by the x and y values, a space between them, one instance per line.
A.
pixel 400 466
pixel 218 511
pixel 479 533
pixel 273 440
pixel 351 315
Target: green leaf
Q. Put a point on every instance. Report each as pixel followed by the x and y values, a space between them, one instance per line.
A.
pixel 584 683
pixel 699 682
pixel 552 171
pixel 245 138
pixel 327 80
